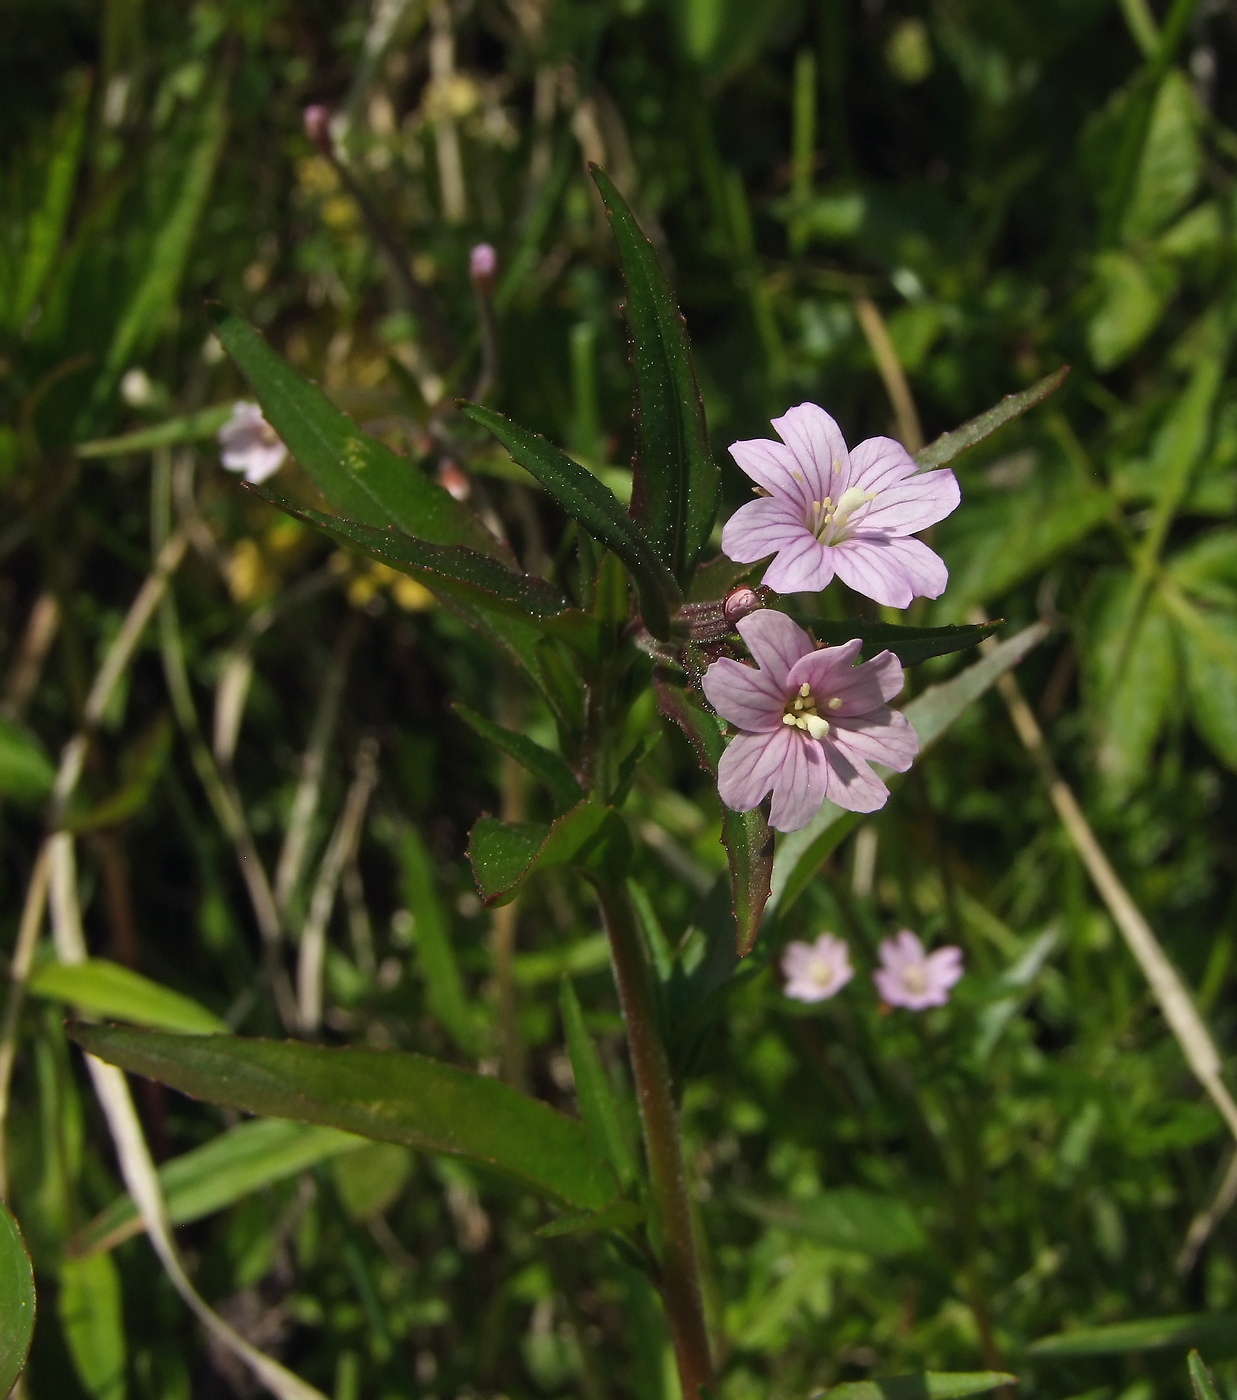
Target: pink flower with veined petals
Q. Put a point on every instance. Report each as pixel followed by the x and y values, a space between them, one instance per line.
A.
pixel 816 971
pixel 810 723
pixel 912 978
pixel 828 511
pixel 250 444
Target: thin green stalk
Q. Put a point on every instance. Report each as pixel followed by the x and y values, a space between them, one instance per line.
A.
pixel 680 1267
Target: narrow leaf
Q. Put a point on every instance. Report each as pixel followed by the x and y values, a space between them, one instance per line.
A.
pixel 910 645
pixel 846 1218
pixel 800 853
pixel 387 1095
pixel 954 444
pixel 1201 1379
pixel 454 572
pixel 16 1301
pixel 91 1318
pixel 595 1094
pixel 622 1215
pixel 745 835
pixel 549 768
pixel 445 995
pixel 930 1385
pixel 102 988
pixel 676 486
pixel 595 507
pixel 253 1155
pixel 359 476
pixel 1147 1334
pixel 26 772
pixel 192 427
pixel 590 837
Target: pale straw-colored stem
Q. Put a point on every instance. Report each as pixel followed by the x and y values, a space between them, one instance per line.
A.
pixel 341 849
pixel 446 136
pixel 872 323
pixel 23 678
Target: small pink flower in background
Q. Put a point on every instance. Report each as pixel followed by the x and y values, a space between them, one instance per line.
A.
pixel 317 122
pixel 816 971
pixel 825 511
pixel 483 266
pixel 811 721
pixel 912 978
pixel 250 444
pixel 454 480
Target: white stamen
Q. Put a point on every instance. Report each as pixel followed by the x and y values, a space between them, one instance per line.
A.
pixel 835 703
pixel 816 726
pixel 788 718
pixel 805 690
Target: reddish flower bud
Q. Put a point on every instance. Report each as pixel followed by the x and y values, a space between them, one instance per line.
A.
pixel 483 267
pixel 739 603
pixel 317 121
pixel 454 480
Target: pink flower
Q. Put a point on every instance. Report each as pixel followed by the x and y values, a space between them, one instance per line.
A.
pixel 810 722
pixel 912 978
pixel 483 265
pixel 825 511
pixel 317 122
pixel 250 444
pixel 816 971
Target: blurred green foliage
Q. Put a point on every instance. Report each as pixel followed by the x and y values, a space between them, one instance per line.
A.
pixel 1014 187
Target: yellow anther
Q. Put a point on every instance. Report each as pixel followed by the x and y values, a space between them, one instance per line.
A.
pixel 788 718
pixel 805 690
pixel 816 726
pixel 835 703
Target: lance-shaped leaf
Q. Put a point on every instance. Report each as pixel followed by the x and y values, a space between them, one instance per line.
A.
pixel 1145 1334
pixel 549 768
pixel 910 645
pixel 595 507
pixel 954 444
pixel 800 853
pixel 591 837
pixel 455 573
pixel 247 1158
pixel 103 988
pixel 1201 1378
pixel 16 1301
pixel 676 486
pixel 844 1218
pixel 359 476
pixel 598 1105
pixel 387 1095
pixel 928 1385
pixel 745 835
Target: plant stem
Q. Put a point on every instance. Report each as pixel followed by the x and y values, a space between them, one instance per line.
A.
pixel 680 1279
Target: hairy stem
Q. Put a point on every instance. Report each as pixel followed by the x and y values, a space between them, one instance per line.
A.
pixel 680 1277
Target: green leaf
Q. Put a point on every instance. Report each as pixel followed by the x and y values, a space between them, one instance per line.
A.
pixel 595 507
pixel 245 1159
pixel 16 1301
pixel 549 768
pixel 155 294
pixel 192 427
pixel 1131 295
pixel 847 1218
pixel 677 486
pixel 455 573
pixel 594 1093
pixel 930 1385
pixel 1210 645
pixel 1171 162
pixel 954 444
pixel 45 227
pixel 910 645
pixel 386 1095
pixel 745 835
pixel 370 1181
pixel 1201 1379
pixel 360 477
pixel 590 837
pixel 622 1215
pixel 445 995
pixel 93 1323
pixel 142 767
pixel 26 773
pixel 102 988
pixel 1148 1334
pixel 800 853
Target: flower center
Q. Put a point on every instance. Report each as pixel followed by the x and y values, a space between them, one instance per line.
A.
pixel 802 712
pixel 829 521
pixel 915 980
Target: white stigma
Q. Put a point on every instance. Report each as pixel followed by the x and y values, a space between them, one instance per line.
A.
pixel 800 713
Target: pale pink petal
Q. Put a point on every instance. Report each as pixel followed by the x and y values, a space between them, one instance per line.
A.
pixel 775 642
pixel 889 570
pixel 832 675
pixel 819 448
pixel 878 463
pixel 761 528
pixel 902 950
pixel 851 783
pixel 883 736
pixel 750 766
pixel 801 783
pixel 910 506
pixel 744 696
pixel 944 967
pixel 772 465
pixel 803 566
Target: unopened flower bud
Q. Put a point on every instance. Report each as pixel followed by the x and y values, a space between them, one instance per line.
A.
pixel 483 267
pixel 317 120
pixel 454 480
pixel 739 603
